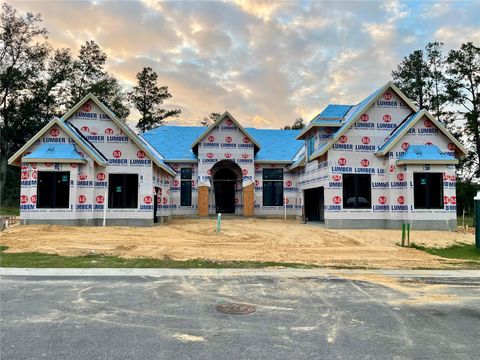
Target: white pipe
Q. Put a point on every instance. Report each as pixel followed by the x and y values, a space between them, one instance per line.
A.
pixel 285 207
pixel 105 202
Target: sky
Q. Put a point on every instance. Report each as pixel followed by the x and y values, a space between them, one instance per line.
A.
pixel 267 63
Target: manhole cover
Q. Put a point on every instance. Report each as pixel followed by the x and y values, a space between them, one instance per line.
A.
pixel 236 309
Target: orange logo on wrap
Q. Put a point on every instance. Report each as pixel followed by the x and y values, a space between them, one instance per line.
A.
pixel 387 118
pixel 400 177
pixel 34 175
pixel 446 200
pixel 140 154
pixel 147 200
pixel 289 183
pixel 87 107
pixel 101 176
pixel 428 123
pixel 342 161
pixel 23 199
pixel 211 138
pixel 337 177
pixel 85 129
pixel 108 131
pixel 33 199
pixel 382 200
pixel 82 199
pixel 405 146
pixel 343 139
pixel 246 140
pixel 453 200
pixel 228 155
pixel 82 176
pixel 210 155
pixel 245 172
pixel 54 132
pixel 228 139
pixel 25 175
pixel 337 200
pixel 365 140
pixel 364 117
pixel 228 122
pixel 116 154
pixel 99 199
pixel 387 96
pixel 401 200
pixel 365 162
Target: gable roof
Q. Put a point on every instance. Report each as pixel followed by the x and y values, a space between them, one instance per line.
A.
pixel 218 121
pixel 425 154
pixel 96 155
pixel 156 158
pixel 57 153
pixel 357 110
pixel 174 143
pixel 403 128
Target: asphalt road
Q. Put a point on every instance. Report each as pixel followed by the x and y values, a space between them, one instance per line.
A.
pixel 174 317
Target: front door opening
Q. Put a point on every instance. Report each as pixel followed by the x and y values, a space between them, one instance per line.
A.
pixel 224 185
pixel 314 204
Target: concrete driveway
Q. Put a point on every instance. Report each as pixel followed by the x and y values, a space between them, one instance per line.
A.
pixel 299 315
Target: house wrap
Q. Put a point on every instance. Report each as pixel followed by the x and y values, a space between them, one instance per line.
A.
pixel 376 164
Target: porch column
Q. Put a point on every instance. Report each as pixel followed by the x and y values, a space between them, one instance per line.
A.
pixel 203 200
pixel 248 199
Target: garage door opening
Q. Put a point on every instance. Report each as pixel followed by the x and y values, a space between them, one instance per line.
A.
pixel 314 204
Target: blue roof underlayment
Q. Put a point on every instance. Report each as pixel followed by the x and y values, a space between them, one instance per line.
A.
pixel 398 130
pixel 174 142
pixel 425 153
pixel 333 111
pixel 54 152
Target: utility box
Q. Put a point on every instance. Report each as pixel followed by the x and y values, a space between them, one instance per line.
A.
pixel 476 219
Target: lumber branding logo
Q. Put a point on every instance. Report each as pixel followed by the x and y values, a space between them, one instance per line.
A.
pixel 446 200
pixel 405 146
pixel 382 200
pixel 342 161
pixel 246 140
pixel 400 183
pixel 99 199
pixel 117 161
pixel 23 199
pixel 386 101
pixel 337 200
pixel 117 154
pixel 365 140
pixel 33 199
pixel 228 155
pixel 387 96
pixel 343 139
pixel 245 172
pixel 34 175
pixel 25 175
pixel 82 199
pixel 85 129
pixel 101 176
pixel 210 155
pixel 342 144
pixel 140 154
pixel 453 200
pixel 74 165
pixel 87 107
pixel 82 176
pixel 451 146
pixel 387 118
pixel 336 204
pixel 108 131
pixel 364 123
pixel 147 200
pixel 365 145
pixel 401 177
pixel 365 162
pixel 336 183
pixel 211 138
pixel 337 177
pixel 54 132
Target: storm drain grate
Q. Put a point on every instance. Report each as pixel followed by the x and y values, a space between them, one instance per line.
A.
pixel 236 309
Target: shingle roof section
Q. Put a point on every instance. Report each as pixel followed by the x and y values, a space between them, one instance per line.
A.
pixel 174 142
pixel 55 152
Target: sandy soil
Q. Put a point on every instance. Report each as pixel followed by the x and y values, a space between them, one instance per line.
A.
pixel 240 239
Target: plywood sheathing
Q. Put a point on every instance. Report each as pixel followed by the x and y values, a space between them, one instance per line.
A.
pixel 203 200
pixel 248 199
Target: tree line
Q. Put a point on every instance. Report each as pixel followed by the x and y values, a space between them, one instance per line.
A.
pixel 38 82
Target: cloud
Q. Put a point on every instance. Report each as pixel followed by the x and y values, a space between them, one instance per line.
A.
pixel 265 62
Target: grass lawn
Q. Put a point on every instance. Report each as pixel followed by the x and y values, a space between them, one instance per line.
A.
pixel 9 211
pixel 39 260
pixel 461 251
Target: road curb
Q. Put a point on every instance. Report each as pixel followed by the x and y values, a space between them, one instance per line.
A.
pixel 124 272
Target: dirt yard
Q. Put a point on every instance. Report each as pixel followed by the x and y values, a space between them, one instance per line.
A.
pixel 240 239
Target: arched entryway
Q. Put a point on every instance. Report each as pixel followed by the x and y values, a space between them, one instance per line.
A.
pixel 225 175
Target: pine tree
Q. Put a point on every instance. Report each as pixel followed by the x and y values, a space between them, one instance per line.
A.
pixel 148 97
pixel 210 119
